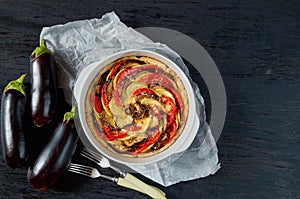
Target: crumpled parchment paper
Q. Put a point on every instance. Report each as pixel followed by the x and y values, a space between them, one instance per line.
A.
pixel 77 44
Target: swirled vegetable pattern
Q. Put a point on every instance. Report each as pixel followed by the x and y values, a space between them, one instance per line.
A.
pixel 137 105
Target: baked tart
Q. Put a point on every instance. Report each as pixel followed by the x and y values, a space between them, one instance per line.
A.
pixel 136 106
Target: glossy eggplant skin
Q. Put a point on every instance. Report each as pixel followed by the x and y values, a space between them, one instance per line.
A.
pixel 43 86
pixel 54 157
pixel 13 128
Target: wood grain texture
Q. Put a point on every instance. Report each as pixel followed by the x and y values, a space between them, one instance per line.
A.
pixel 255 45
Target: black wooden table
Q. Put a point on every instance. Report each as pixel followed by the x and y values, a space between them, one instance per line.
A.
pixel 255 45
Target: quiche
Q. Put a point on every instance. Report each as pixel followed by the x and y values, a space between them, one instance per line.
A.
pixel 136 106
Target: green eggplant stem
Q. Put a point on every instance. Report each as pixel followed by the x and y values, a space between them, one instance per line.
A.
pixel 69 116
pixel 17 84
pixel 38 51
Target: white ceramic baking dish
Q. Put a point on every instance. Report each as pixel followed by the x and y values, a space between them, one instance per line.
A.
pixel 183 141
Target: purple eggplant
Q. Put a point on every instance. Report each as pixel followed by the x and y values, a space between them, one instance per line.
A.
pixel 43 85
pixel 13 127
pixel 55 156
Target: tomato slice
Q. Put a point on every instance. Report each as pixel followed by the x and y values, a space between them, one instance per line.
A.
pixel 147 142
pixel 159 79
pixel 133 127
pixel 143 91
pixel 178 99
pixel 172 124
pixel 132 71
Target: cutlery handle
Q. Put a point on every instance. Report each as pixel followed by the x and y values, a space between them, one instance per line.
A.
pixel 124 183
pixel 152 191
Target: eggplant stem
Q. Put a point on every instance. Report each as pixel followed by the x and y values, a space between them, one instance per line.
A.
pixel 38 51
pixel 17 84
pixel 69 116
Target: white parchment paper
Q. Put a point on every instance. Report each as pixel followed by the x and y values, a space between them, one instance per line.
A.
pixel 77 44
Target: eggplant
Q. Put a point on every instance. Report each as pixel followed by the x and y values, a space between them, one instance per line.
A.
pixel 55 157
pixel 13 127
pixel 43 85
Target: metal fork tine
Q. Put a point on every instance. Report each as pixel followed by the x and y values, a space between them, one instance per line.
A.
pixel 88 153
pixel 100 160
pixel 88 156
pixel 89 171
pixel 96 155
pixel 79 172
pixel 80 169
pixel 81 166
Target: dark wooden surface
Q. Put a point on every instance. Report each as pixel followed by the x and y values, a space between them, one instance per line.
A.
pixel 255 45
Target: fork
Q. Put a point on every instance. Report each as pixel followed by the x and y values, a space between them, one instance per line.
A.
pixel 104 163
pixel 89 171
pixel 100 160
pixel 94 173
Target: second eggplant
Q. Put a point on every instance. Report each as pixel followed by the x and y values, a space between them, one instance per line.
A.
pixel 55 156
pixel 44 85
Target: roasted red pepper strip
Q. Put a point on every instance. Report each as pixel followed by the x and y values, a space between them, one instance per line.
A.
pixel 173 110
pixel 112 135
pixel 171 131
pixel 116 68
pixel 96 102
pixel 150 140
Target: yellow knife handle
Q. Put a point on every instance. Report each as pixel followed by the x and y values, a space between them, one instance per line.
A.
pixel 124 183
pixel 152 191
